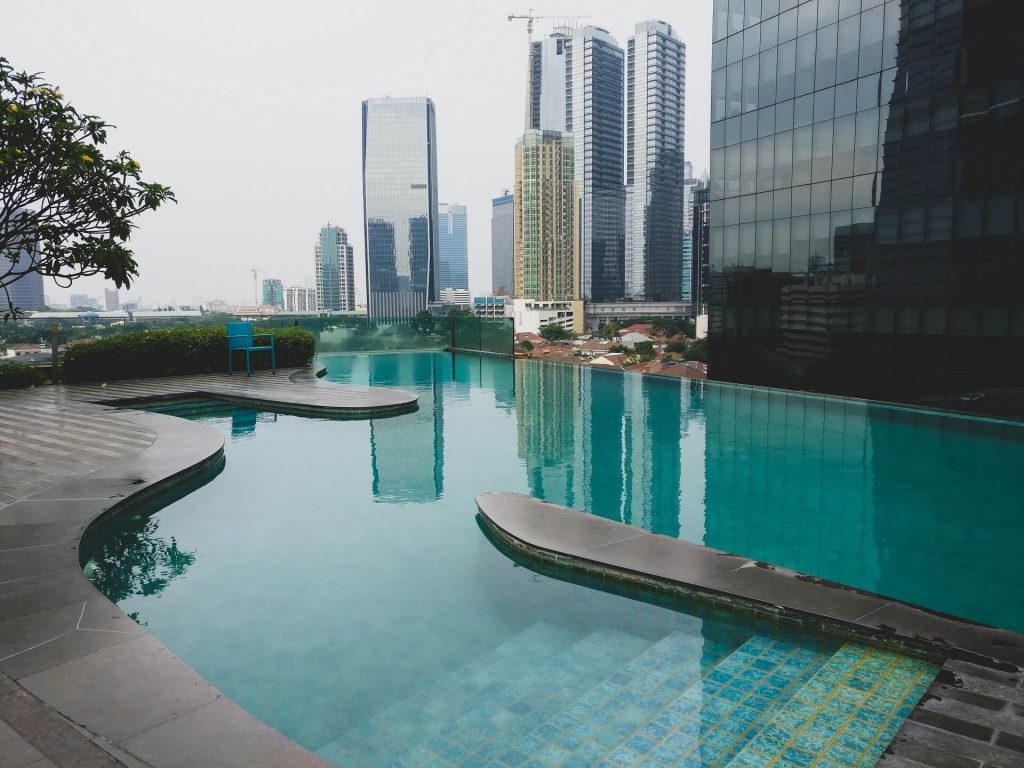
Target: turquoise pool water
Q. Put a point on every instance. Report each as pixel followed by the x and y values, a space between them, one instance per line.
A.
pixel 333 580
pixel 914 505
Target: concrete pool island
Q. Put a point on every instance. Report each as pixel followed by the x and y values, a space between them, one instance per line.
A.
pixel 542 636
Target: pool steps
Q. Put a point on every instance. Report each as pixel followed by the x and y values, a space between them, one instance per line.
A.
pixel 454 694
pixel 540 699
pixel 845 715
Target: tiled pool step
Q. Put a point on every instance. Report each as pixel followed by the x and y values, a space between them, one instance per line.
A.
pixel 845 715
pixel 613 699
pixel 406 723
pixel 531 692
pixel 712 718
pixel 577 719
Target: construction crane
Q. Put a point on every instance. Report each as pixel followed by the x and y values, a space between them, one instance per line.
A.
pixel 530 18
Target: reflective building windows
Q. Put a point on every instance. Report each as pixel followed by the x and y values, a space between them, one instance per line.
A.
pixel 400 204
pixel 454 251
pixel 655 176
pixel 884 260
pixel 335 273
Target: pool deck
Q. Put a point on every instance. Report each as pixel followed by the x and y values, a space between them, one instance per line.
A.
pixel 972 715
pixel 80 683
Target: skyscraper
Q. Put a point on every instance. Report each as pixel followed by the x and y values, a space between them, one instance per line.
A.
pixel 400 205
pixel 594 73
pixel 865 199
pixel 546 259
pixel 689 183
pixel 335 271
pixel 548 86
pixel 273 292
pixel 502 245
pixel 655 102
pixel 454 251
pixel 576 87
pixel 26 293
pixel 699 233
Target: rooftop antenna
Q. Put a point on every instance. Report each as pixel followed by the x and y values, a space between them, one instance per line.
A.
pixel 530 17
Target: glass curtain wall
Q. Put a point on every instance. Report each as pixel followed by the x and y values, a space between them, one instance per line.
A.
pixel 400 204
pixel 866 217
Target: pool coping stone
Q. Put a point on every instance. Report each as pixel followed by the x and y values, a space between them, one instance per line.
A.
pixel 81 684
pixel 972 714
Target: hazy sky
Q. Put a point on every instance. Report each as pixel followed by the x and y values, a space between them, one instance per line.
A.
pixel 251 113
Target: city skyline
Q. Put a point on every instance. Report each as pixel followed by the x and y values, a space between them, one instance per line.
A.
pixel 222 166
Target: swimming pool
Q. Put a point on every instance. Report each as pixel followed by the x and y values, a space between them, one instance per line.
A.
pixel 333 581
pixel 910 504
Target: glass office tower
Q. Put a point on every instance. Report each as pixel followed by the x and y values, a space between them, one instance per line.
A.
pixel 546 96
pixel 273 292
pixel 335 271
pixel 26 292
pixel 865 198
pixel 700 233
pixel 655 176
pixel 502 244
pixel 453 269
pixel 689 184
pixel 594 109
pixel 400 206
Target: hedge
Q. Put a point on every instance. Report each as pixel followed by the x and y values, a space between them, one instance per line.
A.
pixel 18 375
pixel 176 351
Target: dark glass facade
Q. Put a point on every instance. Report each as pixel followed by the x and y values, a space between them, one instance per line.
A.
pixel 400 205
pixel 700 232
pixel 655 176
pixel 866 210
pixel 502 225
pixel 595 69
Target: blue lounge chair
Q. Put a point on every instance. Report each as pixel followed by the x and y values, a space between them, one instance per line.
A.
pixel 241 338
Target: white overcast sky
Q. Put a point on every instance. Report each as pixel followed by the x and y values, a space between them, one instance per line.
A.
pixel 250 111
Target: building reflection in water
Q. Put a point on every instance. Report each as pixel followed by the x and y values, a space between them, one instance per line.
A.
pixel 407 453
pixel 612 444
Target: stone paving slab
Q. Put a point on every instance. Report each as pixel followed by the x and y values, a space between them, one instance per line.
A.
pixel 971 716
pixel 80 683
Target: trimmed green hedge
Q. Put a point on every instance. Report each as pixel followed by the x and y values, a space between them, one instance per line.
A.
pixel 18 375
pixel 176 351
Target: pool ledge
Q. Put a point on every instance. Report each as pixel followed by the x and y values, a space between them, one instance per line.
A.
pixel 294 390
pixel 971 714
pixel 81 684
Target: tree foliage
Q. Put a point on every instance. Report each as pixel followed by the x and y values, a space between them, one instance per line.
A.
pixel 66 208
pixel 554 332
pixel 422 322
pixel 698 350
pixel 644 350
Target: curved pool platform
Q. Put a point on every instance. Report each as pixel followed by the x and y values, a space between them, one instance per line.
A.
pixel 80 683
pixel 973 709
